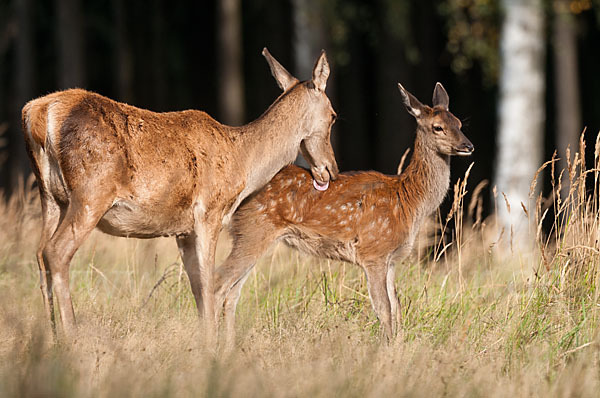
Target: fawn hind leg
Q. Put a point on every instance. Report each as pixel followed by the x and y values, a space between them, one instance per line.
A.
pixel 229 307
pixel 249 245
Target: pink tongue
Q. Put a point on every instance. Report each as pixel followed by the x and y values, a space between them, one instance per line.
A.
pixel 319 187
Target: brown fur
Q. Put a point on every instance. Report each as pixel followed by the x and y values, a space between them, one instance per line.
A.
pixel 366 218
pixel 136 173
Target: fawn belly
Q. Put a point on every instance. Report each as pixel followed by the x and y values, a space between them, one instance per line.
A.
pixel 322 246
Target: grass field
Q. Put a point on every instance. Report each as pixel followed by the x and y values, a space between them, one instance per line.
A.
pixel 482 314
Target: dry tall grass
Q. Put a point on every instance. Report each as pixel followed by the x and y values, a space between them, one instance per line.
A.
pixel 480 317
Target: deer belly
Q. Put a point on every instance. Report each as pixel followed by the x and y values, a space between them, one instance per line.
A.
pixel 128 219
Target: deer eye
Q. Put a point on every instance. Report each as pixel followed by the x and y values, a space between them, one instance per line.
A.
pixel 438 129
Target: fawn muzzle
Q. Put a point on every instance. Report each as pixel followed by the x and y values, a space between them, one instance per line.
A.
pixel 465 148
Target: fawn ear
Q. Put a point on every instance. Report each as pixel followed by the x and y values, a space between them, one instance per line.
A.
pixel 321 72
pixel 413 105
pixel 440 96
pixel 284 78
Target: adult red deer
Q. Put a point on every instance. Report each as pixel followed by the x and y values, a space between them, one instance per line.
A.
pixel 136 173
pixel 366 218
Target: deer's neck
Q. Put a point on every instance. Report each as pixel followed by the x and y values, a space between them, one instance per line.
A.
pixel 426 179
pixel 272 141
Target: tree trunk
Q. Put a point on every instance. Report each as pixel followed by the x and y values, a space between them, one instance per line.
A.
pixel 521 108
pixel 566 84
pixel 24 61
pixel 123 55
pixel 308 40
pixel 158 54
pixel 394 127
pixel 71 66
pixel 231 78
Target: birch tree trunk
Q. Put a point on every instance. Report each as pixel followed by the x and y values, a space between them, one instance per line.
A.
pixel 521 109
pixel 231 78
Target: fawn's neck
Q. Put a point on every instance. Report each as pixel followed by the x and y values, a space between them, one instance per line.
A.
pixel 425 181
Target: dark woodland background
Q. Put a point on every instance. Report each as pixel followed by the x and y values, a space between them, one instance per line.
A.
pixel 174 55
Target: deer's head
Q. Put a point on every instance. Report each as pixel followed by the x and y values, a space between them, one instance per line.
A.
pixel 318 118
pixel 438 127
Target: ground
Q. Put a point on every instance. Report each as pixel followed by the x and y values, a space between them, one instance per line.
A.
pixel 480 317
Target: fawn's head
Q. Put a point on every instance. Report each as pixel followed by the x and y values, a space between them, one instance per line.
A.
pixel 438 127
pixel 318 119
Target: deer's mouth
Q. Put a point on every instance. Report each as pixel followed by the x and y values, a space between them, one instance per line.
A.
pixel 323 174
pixel 464 152
pixel 465 149
pixel 320 175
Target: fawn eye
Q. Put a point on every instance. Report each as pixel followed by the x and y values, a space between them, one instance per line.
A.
pixel 438 129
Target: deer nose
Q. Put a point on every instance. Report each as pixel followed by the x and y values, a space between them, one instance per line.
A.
pixel 466 148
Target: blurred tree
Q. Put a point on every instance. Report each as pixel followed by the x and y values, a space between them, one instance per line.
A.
pixel 310 36
pixel 393 64
pixel 231 77
pixel 308 40
pixel 23 89
pixel 521 108
pixel 70 38
pixel 472 29
pixel 123 62
pixel 566 82
pixel 158 52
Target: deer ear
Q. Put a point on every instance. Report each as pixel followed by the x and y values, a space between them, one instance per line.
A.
pixel 413 105
pixel 284 79
pixel 440 96
pixel 321 72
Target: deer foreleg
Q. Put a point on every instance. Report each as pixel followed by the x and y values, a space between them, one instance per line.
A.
pixel 377 284
pixel 393 297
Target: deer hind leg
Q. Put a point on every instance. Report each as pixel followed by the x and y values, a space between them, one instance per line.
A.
pixel 378 292
pixel 79 220
pixel 250 243
pixel 51 214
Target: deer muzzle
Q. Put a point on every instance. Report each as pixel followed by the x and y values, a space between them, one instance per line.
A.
pixel 466 148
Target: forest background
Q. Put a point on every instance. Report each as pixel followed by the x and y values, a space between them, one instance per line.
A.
pixel 205 55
